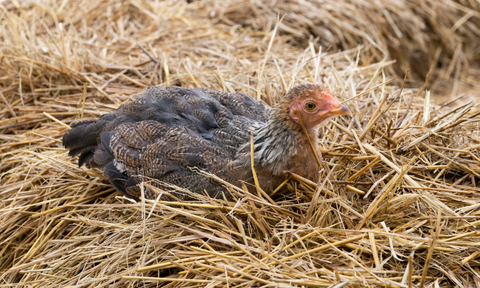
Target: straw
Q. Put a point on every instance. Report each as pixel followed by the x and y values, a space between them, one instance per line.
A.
pixel 397 202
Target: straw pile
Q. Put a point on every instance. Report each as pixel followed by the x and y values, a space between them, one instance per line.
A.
pixel 417 34
pixel 397 204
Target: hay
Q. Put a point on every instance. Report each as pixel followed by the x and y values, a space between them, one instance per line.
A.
pixel 398 203
pixel 417 34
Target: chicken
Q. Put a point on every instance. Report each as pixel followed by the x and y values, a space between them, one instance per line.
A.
pixel 165 133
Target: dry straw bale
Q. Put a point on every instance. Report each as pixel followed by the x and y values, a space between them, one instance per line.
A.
pixel 398 202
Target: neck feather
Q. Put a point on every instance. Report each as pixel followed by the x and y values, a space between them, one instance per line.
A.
pixel 281 139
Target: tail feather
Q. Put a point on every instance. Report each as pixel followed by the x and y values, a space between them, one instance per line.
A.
pixel 80 137
pixel 83 139
pixel 86 157
pixel 81 150
pixel 86 154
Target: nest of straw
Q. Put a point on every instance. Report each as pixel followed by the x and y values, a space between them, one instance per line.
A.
pixel 396 206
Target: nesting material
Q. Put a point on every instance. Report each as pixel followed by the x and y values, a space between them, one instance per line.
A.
pixel 419 35
pixel 397 204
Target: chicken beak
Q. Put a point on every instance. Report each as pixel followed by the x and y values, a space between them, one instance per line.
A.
pixel 335 107
pixel 342 111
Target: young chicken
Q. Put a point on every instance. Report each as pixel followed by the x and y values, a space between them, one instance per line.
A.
pixel 164 133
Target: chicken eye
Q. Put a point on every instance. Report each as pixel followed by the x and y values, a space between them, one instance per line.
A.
pixel 310 106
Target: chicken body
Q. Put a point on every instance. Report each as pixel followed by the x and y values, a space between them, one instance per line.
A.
pixel 165 132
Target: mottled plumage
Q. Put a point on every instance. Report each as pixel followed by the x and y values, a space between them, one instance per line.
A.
pixel 164 133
